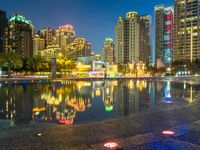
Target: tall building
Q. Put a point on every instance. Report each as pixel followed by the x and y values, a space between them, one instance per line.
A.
pixel 38 45
pixel 48 35
pixel 65 35
pixel 164 19
pixel 3 25
pixel 147 37
pixel 20 36
pixel 78 48
pixel 186 30
pixel 119 40
pixel 108 51
pixel 132 39
pixel 52 51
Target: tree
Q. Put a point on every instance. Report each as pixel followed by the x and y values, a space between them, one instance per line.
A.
pixel 10 61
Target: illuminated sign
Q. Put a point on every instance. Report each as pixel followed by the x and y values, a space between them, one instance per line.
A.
pixel 168 34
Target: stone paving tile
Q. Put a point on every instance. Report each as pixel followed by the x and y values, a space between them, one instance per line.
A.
pixel 72 137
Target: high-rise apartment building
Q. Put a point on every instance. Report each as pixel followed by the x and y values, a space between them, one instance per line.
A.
pixel 38 45
pixel 164 19
pixel 78 48
pixel 48 35
pixel 65 35
pixel 108 51
pixel 147 37
pixel 186 30
pixel 20 36
pixel 3 25
pixel 132 39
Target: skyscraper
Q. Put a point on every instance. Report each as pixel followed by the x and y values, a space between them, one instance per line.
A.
pixel 186 30
pixel 108 51
pixel 65 35
pixel 164 18
pixel 159 38
pixel 132 39
pixel 20 36
pixel 48 35
pixel 3 25
pixel 78 48
pixel 147 37
pixel 38 45
pixel 119 41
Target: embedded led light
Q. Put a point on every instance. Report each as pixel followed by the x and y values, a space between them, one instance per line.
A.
pixel 168 132
pixel 111 145
pixel 39 134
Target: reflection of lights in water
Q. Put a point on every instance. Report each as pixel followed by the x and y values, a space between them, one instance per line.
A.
pixel 37 113
pixel 168 132
pixel 98 92
pixel 109 108
pixel 168 97
pixel 184 85
pixel 131 84
pixel 39 109
pixel 111 145
pixel 107 90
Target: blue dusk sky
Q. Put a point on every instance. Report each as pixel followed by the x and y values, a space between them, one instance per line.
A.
pixel 92 19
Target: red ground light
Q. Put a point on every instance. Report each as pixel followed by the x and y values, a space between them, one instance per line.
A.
pixel 111 145
pixel 167 132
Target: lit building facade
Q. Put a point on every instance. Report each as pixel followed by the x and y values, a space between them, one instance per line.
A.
pixel 65 35
pixel 3 25
pixel 159 26
pixel 78 48
pixel 48 35
pixel 146 22
pixel 164 19
pixel 186 30
pixel 132 40
pixel 108 51
pixel 38 45
pixel 52 51
pixel 20 36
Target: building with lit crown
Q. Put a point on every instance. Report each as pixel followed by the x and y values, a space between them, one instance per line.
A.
pixel 186 30
pixel 38 45
pixel 78 48
pixel 48 35
pixel 52 51
pixel 132 39
pixel 108 51
pixel 65 35
pixel 20 36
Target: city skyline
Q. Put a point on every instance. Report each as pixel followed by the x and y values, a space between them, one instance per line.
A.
pixel 100 19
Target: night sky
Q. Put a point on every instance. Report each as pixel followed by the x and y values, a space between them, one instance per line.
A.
pixel 92 19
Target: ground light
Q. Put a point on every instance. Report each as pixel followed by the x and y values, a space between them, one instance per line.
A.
pixel 39 134
pixel 168 132
pixel 110 145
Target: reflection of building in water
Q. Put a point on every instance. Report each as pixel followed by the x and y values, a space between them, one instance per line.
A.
pixel 107 95
pixel 62 102
pixel 17 103
pixel 133 96
pixel 167 93
pixel 97 86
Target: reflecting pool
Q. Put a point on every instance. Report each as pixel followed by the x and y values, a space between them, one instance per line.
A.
pixel 75 102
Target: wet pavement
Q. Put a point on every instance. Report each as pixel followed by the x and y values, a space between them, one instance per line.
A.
pixel 138 132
